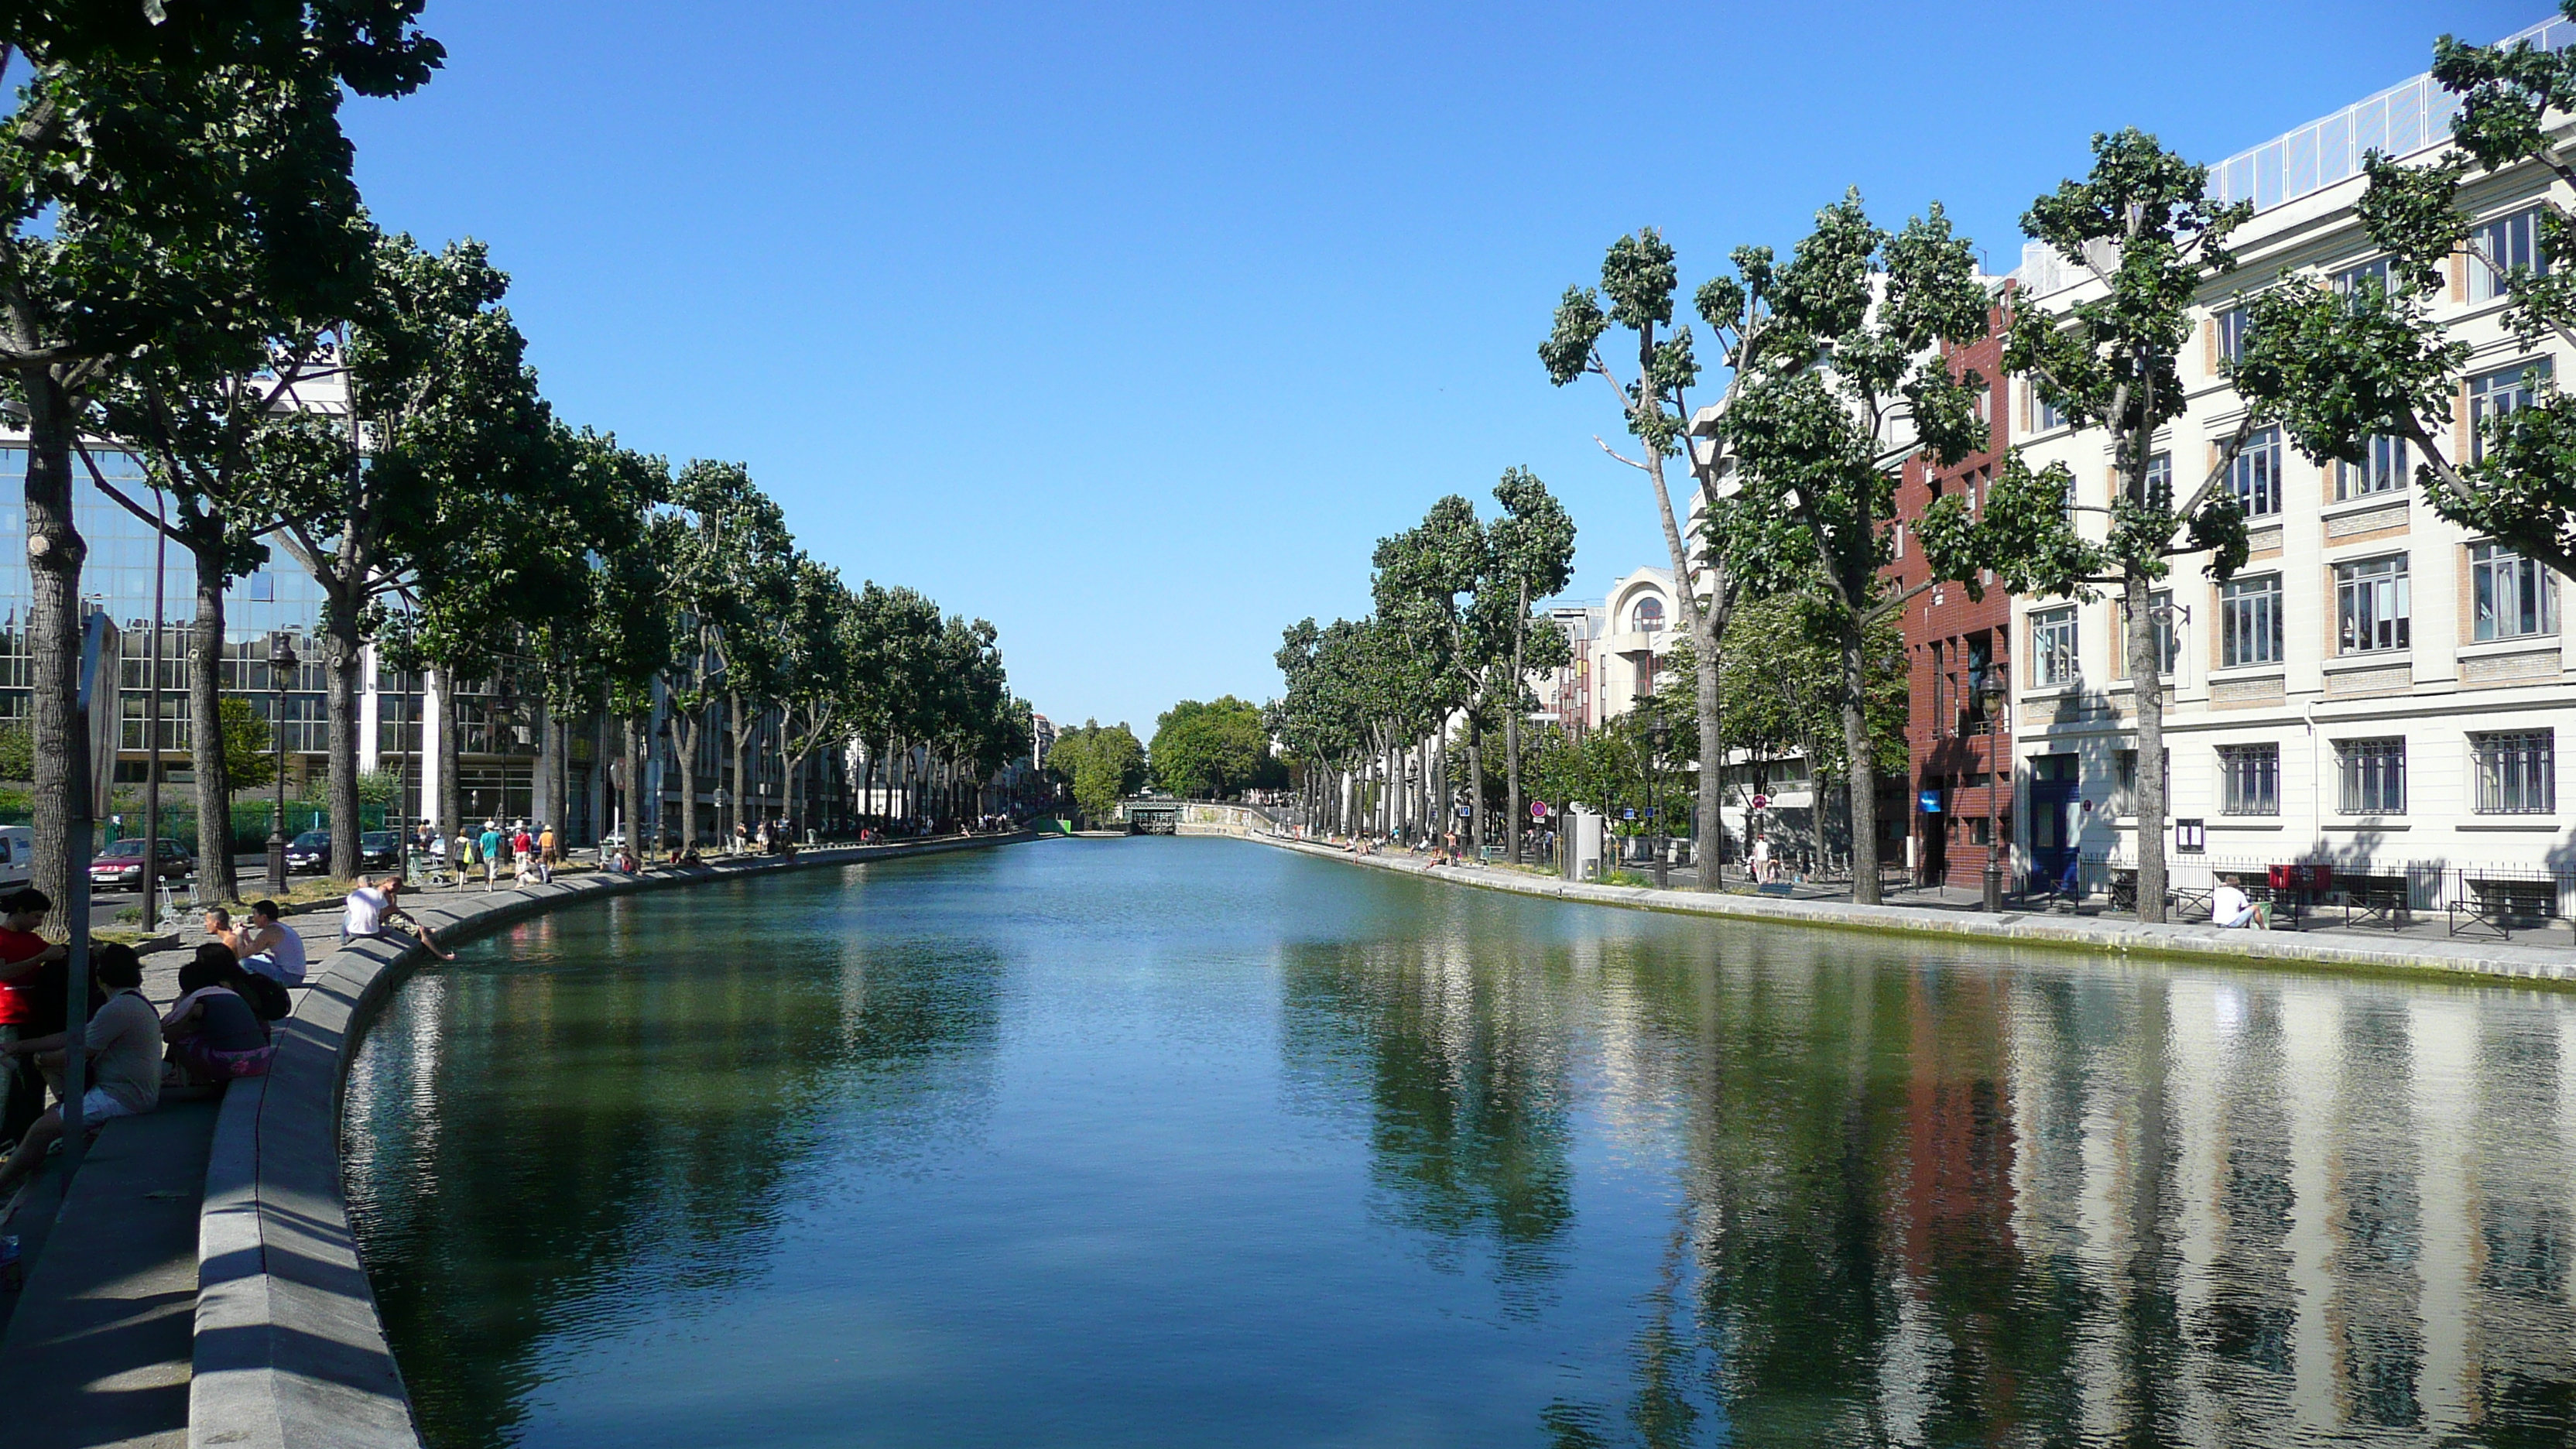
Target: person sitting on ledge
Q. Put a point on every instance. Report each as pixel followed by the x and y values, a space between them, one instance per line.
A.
pixel 213 1033
pixel 124 1048
pixel 270 947
pixel 2231 909
pixel 372 912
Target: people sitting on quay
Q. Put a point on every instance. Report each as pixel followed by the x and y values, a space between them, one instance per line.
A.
pixel 124 1051
pixel 214 1034
pixel 270 947
pixel 33 983
pixel 2231 909
pixel 372 912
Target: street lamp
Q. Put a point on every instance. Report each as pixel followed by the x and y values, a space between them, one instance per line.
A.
pixel 281 663
pixel 1994 693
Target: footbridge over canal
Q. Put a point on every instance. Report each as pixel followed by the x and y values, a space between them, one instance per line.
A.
pixel 1155 816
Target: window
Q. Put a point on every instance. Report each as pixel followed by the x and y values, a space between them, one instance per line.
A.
pixel 2352 279
pixel 2381 470
pixel 1648 616
pixel 2500 246
pixel 261 588
pixel 2052 644
pixel 2231 333
pixel 2495 394
pixel 2374 776
pixel 2250 778
pixel 2160 479
pixel 2249 621
pixel 2126 803
pixel 2371 605
pixel 2517 773
pixel 2515 597
pixel 2043 413
pixel 2160 609
pixel 2254 475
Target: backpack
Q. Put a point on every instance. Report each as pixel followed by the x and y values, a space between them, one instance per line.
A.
pixel 268 999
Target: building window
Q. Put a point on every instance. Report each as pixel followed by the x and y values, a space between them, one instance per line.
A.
pixel 2501 246
pixel 2351 280
pixel 1648 616
pixel 2052 645
pixel 2517 773
pixel 2160 479
pixel 261 587
pixel 2250 779
pixel 2254 476
pixel 2043 413
pixel 2249 621
pixel 2374 776
pixel 2381 470
pixel 2493 395
pixel 2160 609
pixel 2515 597
pixel 2126 802
pixel 2231 333
pixel 2372 606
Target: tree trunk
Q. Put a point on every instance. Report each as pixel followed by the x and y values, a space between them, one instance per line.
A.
pixel 342 659
pixel 1512 736
pixel 1860 770
pixel 54 553
pixel 216 879
pixel 1708 820
pixel 1476 786
pixel 737 741
pixel 449 812
pixel 2147 682
pixel 684 745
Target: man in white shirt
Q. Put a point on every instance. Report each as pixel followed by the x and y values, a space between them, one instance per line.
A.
pixel 371 910
pixel 2231 909
pixel 271 947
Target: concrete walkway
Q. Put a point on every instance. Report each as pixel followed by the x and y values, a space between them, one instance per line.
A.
pixel 2417 951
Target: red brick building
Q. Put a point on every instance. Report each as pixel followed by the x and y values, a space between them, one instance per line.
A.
pixel 1956 740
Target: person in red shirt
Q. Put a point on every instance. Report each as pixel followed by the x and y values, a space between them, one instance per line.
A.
pixel 24 957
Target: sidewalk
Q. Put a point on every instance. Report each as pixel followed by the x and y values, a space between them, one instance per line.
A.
pixel 2422 946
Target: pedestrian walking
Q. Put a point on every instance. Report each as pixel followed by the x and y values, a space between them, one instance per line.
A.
pixel 490 844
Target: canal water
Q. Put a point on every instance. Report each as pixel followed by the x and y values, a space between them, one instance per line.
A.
pixel 1197 1142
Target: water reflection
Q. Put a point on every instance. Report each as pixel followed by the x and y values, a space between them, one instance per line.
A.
pixel 1186 1142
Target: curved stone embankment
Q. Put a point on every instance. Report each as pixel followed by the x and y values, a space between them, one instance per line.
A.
pixel 289 1351
pixel 2085 933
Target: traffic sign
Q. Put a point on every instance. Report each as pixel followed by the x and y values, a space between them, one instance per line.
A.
pixel 1761 802
pixel 1538 810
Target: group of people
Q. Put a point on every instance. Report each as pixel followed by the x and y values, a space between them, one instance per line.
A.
pixel 769 837
pixel 217 1031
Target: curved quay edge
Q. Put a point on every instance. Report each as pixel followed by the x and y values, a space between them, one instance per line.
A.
pixel 289 1350
pixel 2480 961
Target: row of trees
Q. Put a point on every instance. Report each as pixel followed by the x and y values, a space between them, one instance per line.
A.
pixel 1207 751
pixel 188 273
pixel 1370 704
pixel 1836 369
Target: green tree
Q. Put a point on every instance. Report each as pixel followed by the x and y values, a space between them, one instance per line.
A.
pixel 1639 278
pixel 1102 763
pixel 1531 549
pixel 17 751
pixel 1841 378
pixel 162 166
pixel 1212 750
pixel 2340 367
pixel 2144 225
pixel 1783 665
pixel 250 752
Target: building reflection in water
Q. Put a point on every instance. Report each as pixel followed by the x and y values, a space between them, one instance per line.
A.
pixel 1972 1203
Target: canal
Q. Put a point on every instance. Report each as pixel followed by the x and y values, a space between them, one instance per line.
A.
pixel 1197 1142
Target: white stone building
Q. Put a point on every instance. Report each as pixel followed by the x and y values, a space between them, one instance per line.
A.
pixel 2377 689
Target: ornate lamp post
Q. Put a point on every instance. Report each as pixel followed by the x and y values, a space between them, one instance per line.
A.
pixel 281 663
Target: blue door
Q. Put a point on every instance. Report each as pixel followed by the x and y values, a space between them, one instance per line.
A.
pixel 2053 825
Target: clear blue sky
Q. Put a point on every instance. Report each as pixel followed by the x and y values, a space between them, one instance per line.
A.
pixel 1132 328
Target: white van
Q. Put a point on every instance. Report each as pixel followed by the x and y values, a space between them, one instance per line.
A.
pixel 17 856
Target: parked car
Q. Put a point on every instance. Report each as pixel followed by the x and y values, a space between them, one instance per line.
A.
pixel 17 855
pixel 379 848
pixel 310 851
pixel 120 865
